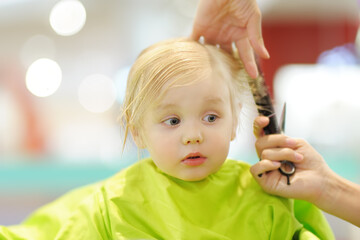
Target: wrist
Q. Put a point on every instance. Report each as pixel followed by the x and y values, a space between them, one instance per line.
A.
pixel 328 195
pixel 339 197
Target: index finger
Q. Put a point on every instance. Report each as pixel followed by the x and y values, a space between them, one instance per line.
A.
pixel 246 55
pixel 275 141
pixel 255 35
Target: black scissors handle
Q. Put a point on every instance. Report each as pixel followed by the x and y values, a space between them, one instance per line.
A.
pixel 266 109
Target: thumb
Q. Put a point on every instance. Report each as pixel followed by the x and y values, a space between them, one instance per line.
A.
pixel 259 123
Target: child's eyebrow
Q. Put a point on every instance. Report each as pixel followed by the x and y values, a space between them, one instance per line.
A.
pixel 164 107
pixel 214 100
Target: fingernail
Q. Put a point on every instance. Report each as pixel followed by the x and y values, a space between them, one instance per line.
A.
pixel 276 164
pixel 266 53
pixel 298 156
pixel 264 50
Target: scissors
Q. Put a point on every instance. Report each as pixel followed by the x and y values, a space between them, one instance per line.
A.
pixel 262 99
pixel 287 168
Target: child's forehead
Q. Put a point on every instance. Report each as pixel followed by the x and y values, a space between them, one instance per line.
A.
pixel 184 79
pixel 208 101
pixel 211 91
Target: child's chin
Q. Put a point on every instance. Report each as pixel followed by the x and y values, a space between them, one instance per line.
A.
pixel 194 178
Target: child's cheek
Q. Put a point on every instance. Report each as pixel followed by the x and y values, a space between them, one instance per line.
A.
pixel 164 143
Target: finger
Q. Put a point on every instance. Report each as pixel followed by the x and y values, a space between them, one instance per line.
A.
pixel 255 35
pixel 226 47
pixel 247 56
pixel 279 154
pixel 209 38
pixel 264 166
pixel 259 123
pixel 200 22
pixel 195 34
pixel 212 41
pixel 275 141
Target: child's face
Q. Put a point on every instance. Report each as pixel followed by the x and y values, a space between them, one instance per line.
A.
pixel 189 132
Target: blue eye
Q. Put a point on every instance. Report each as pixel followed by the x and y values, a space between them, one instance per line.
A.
pixel 210 118
pixel 172 121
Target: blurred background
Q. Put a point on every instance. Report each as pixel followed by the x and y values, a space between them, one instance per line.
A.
pixel 63 70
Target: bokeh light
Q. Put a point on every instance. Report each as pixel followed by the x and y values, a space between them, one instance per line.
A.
pixel 68 17
pixel 43 77
pixel 97 93
pixel 323 104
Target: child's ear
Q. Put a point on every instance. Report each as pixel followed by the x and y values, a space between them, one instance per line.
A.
pixel 233 133
pixel 236 122
pixel 137 137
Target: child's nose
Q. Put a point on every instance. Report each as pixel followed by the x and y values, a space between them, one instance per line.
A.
pixel 193 138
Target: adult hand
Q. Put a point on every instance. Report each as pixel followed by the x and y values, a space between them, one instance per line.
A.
pixel 312 172
pixel 226 21
pixel 313 180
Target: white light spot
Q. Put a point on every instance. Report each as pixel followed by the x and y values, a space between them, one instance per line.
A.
pixel 43 77
pixel 68 17
pixel 323 104
pixel 97 93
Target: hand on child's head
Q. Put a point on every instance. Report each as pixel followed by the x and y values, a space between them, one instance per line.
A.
pixel 228 22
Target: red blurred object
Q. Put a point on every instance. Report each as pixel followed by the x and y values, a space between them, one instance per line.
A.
pixel 302 42
pixel 12 75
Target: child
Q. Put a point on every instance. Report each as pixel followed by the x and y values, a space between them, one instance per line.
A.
pixel 182 104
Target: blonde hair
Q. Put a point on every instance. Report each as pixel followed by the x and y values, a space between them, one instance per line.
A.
pixel 172 63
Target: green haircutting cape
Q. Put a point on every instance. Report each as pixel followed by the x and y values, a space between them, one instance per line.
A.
pixel 141 202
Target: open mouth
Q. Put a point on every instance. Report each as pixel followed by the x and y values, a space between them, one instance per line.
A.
pixel 194 159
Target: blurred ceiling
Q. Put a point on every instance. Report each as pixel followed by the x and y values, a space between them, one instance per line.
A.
pixel 272 9
pixel 14 12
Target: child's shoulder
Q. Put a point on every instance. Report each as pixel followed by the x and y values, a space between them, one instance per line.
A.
pixel 135 173
pixel 137 170
pixel 238 173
